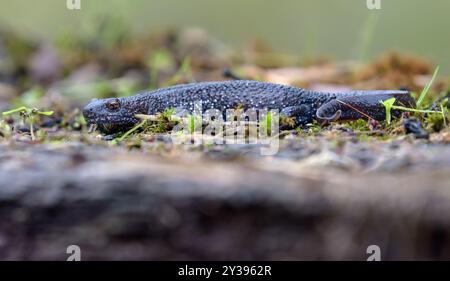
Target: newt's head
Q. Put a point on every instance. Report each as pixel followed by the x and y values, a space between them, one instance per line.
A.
pixel 111 115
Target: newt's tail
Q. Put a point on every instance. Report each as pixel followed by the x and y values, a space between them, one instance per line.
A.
pixel 367 106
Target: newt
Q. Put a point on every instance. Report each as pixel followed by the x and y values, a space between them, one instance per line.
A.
pixel 113 115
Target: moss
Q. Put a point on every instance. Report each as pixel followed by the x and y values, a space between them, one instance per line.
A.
pixel 163 122
pixel 435 122
pixel 310 129
pixel 287 122
pixel 357 125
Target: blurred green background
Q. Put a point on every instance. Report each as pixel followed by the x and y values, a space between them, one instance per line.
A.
pixel 340 29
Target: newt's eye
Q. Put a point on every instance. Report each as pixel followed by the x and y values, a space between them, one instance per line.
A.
pixel 113 105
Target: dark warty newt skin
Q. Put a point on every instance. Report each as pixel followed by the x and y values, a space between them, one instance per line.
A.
pixel 114 115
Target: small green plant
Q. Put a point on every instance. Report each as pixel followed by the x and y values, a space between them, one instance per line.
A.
pixel 160 123
pixel 28 115
pixel 389 103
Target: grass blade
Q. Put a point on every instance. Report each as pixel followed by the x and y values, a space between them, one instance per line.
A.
pixel 19 109
pixel 129 132
pixel 46 113
pixel 427 87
